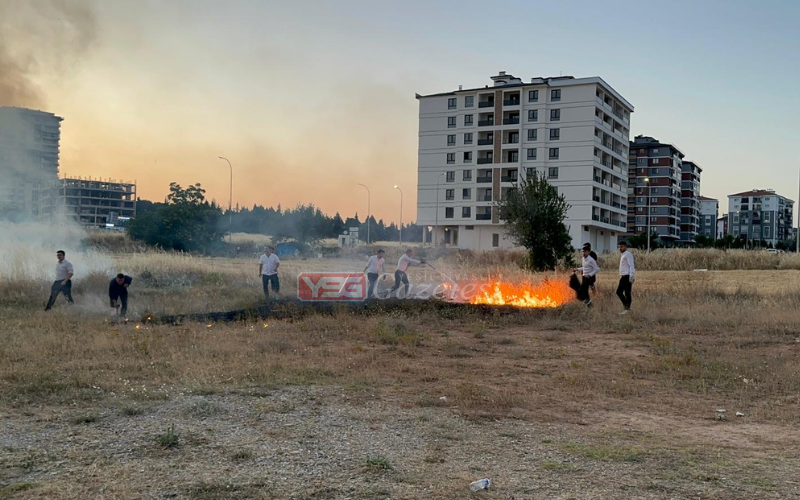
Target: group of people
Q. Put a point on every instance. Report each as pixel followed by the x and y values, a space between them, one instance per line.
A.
pixel 376 265
pixel 117 287
pixel 589 270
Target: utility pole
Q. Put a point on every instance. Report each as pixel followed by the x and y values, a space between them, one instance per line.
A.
pixel 369 196
pixel 230 202
pixel 401 214
pixel 647 182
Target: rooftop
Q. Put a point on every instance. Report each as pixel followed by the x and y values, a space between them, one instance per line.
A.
pixel 646 140
pixel 508 81
pixel 703 198
pixel 756 192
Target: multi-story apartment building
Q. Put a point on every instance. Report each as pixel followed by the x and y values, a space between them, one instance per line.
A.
pixel 760 214
pixel 690 202
pixel 29 153
pixel 654 188
pixel 476 144
pixel 709 214
pixel 722 226
pixel 94 203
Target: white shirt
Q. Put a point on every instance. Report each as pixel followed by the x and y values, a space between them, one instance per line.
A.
pixel 375 265
pixel 590 267
pixel 64 268
pixel 269 265
pixel 626 265
pixel 406 261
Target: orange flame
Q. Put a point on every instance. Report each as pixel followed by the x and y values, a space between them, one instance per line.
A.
pixel 546 294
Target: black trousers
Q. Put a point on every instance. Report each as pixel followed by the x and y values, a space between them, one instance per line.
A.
pixel 372 278
pixel 57 288
pixel 586 283
pixel 123 299
pixel 272 279
pixel 624 291
pixel 400 277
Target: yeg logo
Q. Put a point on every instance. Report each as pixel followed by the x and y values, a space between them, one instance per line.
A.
pixel 331 286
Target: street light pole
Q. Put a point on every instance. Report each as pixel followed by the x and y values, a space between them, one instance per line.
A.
pixel 401 213
pixel 369 196
pixel 647 182
pixel 436 227
pixel 230 202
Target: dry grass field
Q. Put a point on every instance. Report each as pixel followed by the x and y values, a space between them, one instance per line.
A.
pixel 566 403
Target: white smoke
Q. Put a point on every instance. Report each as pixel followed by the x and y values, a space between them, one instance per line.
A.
pixel 28 251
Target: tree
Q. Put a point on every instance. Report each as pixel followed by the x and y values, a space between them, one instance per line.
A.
pixel 534 215
pixel 186 222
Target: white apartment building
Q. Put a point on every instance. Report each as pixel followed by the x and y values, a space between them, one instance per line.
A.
pixel 760 215
pixel 475 144
pixel 709 214
pixel 29 154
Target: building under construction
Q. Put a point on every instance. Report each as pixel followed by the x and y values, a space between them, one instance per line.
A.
pixel 94 203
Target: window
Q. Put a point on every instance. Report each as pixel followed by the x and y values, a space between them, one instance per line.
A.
pixel 451 122
pixel 531 134
pixel 533 95
pixel 766 217
pixel 532 153
pixel 449 194
pixel 448 212
pixel 466 212
pixel 554 153
pixel 467 175
pixel 555 115
pixel 466 194
pixel 555 95
pixel 468 138
pixel 555 134
pixel 654 171
pixel 451 103
pixel 766 232
pixel 495 240
pixel 530 172
pixel 735 218
pixel 451 176
pixel 467 120
pixel 451 157
pixel 451 140
pixel 469 228
pixel 655 151
pixel 552 173
pixel 641 161
pixel 467 156
pixel 469 101
pixel 533 115
pixel 653 200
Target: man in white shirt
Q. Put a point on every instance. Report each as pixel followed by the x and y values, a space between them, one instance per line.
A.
pixel 627 274
pixel 400 274
pixel 268 265
pixel 376 265
pixel 589 270
pixel 63 282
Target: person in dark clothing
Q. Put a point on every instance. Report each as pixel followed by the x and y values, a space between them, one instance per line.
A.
pixel 63 282
pixel 118 293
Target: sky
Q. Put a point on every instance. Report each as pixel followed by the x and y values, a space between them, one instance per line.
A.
pixel 309 98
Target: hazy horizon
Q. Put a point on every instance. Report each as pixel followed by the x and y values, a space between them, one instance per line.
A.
pixel 308 99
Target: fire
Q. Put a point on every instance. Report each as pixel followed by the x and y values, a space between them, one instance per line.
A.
pixel 546 294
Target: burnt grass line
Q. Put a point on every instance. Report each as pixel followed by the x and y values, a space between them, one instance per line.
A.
pixel 295 309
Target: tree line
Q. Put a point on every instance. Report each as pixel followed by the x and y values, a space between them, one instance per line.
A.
pixel 186 221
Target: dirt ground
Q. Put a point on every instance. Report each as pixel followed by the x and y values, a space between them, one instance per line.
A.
pixel 558 404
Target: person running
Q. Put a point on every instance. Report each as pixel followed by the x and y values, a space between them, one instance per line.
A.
pixel 627 274
pixel 268 265
pixel 400 274
pixel 63 282
pixel 376 265
pixel 588 246
pixel 118 294
pixel 589 271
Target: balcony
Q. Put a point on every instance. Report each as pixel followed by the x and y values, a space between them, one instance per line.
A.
pixel 509 178
pixel 483 180
pixel 511 102
pixel 511 121
pixel 485 123
pixel 512 140
pixel 485 142
pixel 486 197
pixel 484 161
pixel 486 104
pixel 483 216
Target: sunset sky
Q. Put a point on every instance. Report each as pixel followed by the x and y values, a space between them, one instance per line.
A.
pixel 309 98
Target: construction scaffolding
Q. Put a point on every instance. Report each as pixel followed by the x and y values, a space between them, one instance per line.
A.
pixel 93 203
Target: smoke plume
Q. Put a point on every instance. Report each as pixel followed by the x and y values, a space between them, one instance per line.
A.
pixel 40 38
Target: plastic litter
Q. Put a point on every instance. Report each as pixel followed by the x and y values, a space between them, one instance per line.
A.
pixel 480 484
pixel 739 414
